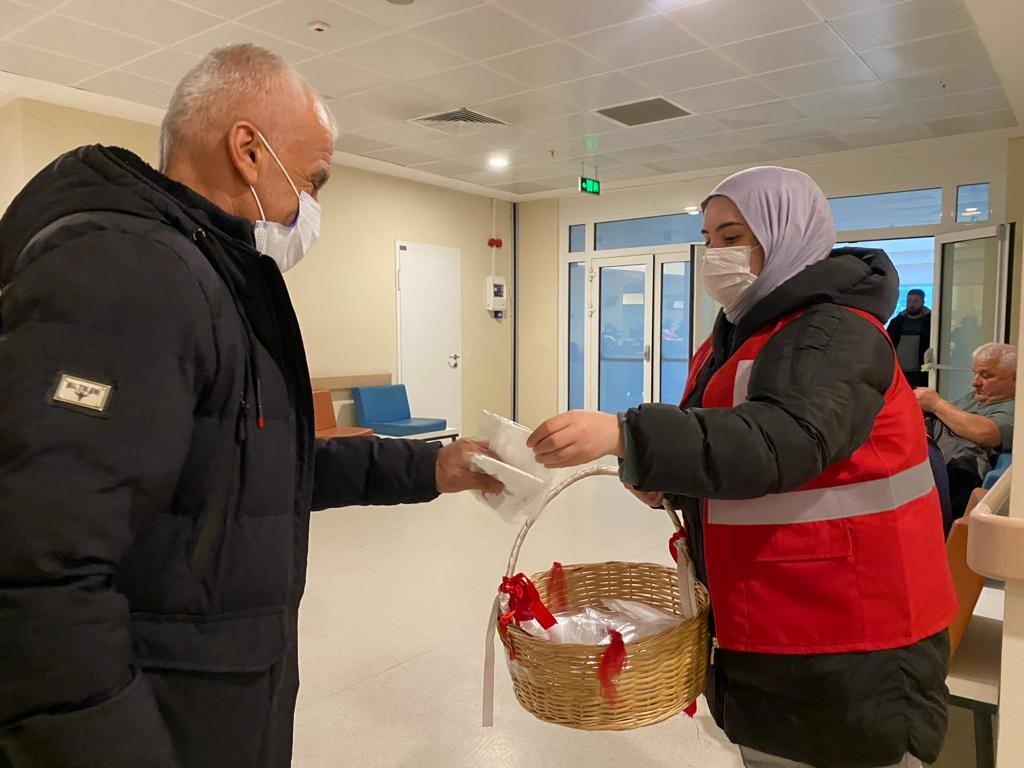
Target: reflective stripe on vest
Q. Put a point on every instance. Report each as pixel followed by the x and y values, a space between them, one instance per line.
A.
pixel 867 498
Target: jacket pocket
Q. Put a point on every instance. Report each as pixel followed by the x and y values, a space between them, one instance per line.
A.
pixel 821 540
pixel 247 641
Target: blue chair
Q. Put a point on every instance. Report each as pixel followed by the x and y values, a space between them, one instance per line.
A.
pixel 1001 465
pixel 385 410
pixel 941 475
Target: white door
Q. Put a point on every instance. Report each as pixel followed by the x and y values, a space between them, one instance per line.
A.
pixel 971 270
pixel 430 330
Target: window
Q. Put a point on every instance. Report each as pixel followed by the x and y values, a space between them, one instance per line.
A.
pixel 890 209
pixel 914 259
pixel 577 238
pixel 675 330
pixel 971 203
pixel 653 230
pixel 577 320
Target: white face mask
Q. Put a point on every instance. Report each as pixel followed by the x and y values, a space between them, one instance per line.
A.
pixel 287 245
pixel 726 273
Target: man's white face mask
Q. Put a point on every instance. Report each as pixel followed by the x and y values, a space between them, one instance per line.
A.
pixel 286 245
pixel 726 273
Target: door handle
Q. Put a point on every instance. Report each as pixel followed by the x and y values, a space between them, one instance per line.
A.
pixel 647 353
pixel 453 361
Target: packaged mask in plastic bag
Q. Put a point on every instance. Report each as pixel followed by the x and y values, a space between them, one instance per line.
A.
pixel 591 626
pixel 523 477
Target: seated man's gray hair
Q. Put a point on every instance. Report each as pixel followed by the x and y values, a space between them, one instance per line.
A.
pixel 1004 354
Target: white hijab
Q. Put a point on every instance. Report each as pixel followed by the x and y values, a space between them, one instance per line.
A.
pixel 791 219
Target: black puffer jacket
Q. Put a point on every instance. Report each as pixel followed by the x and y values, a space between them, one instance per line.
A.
pixel 814 394
pixel 153 536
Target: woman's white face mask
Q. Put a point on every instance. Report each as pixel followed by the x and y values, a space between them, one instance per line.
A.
pixel 726 273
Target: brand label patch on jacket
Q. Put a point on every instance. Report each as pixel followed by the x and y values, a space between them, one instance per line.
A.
pixel 83 393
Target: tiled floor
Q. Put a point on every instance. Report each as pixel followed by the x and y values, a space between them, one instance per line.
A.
pixel 392 639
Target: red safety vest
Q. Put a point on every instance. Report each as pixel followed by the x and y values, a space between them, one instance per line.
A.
pixel 852 561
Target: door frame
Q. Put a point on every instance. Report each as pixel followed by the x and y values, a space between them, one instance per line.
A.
pixel 660 260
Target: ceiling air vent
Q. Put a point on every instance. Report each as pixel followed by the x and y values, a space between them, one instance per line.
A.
pixel 460 116
pixel 643 112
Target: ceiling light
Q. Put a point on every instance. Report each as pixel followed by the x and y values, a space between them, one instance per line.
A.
pixel 498 162
pixel 319 26
pixel 693 210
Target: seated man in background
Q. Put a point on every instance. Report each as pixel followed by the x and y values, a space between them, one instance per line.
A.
pixel 972 430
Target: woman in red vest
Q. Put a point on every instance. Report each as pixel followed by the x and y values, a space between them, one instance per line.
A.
pixel 798 457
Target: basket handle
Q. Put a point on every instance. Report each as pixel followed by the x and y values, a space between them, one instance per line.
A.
pixel 554 493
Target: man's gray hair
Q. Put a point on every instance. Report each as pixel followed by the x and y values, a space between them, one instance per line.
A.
pixel 207 97
pixel 1004 354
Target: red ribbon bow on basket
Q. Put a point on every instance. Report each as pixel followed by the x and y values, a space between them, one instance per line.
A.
pixel 524 603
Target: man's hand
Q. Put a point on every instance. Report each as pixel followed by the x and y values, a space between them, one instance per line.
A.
pixel 928 399
pixel 654 499
pixel 454 473
pixel 576 437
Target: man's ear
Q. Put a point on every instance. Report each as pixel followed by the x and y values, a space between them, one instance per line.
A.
pixel 246 151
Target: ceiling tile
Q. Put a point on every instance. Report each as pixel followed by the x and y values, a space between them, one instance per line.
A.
pixel 46 5
pixel 840 101
pixel 488 178
pixel 522 140
pixel 873 137
pixel 228 9
pixel 401 56
pixel 638 42
pixel 894 24
pixel 230 33
pixel 571 17
pixel 810 146
pixel 481 32
pixel 751 156
pixel 130 87
pixel 561 181
pixel 797 129
pixel 401 102
pixel 402 156
pixel 160 20
pixel 688 71
pixel 13 16
pixel 627 173
pixel 468 85
pixel 715 142
pixel 43 65
pixel 607 90
pixel 452 147
pixel 169 65
pixel 358 145
pixel 988 121
pixel 648 154
pixel 959 49
pixel 571 126
pixel 404 16
pixel 290 19
pixel 943 82
pixel 609 142
pixel 822 76
pixel 987 100
pixel 402 134
pixel 337 78
pixel 832 9
pixel 678 129
pixel 83 41
pixel 726 21
pixel 759 114
pixel 523 187
pixel 547 65
pixel 878 118
pixel 727 95
pixel 679 165
pixel 447 168
pixel 787 49
pixel 351 117
pixel 524 107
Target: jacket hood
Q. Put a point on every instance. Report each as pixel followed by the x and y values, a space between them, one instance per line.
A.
pixel 96 178
pixel 860 278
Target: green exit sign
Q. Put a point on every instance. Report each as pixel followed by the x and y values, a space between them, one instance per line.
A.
pixel 591 186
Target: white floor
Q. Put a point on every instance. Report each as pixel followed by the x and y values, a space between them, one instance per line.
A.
pixel 392 638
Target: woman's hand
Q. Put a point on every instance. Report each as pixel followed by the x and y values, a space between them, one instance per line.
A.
pixel 655 499
pixel 576 437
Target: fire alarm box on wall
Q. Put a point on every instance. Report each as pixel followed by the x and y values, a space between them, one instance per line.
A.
pixel 497 295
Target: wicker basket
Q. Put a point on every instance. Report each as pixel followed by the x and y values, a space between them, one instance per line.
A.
pixel 663 674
